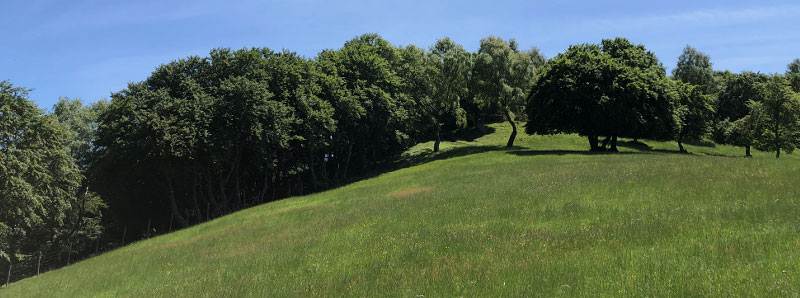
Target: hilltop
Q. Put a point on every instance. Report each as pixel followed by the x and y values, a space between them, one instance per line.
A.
pixel 546 218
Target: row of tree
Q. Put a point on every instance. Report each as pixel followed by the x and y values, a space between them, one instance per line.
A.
pixel 204 136
pixel 619 89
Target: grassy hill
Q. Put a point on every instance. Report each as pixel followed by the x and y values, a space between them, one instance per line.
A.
pixel 475 220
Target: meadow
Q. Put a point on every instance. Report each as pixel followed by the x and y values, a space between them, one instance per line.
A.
pixel 545 218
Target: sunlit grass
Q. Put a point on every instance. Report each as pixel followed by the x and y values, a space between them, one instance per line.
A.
pixel 544 219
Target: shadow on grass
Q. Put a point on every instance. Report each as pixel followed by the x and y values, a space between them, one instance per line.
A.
pixel 470 134
pixel 701 143
pixel 567 152
pixel 722 155
pixel 429 156
pixel 636 145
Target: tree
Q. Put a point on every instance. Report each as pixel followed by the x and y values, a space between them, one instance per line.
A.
pixel 39 180
pixel 202 137
pixel 614 90
pixel 449 77
pixel 733 104
pixel 778 117
pixel 694 112
pixel 694 67
pixel 83 221
pixel 373 107
pixel 503 76
pixel 81 123
pixel 793 74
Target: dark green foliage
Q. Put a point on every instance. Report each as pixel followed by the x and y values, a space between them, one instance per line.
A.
pixel 84 220
pixel 776 117
pixel 793 74
pixel 737 91
pixel 614 90
pixel 694 112
pixel 39 180
pixel 733 105
pixel 374 111
pixel 204 136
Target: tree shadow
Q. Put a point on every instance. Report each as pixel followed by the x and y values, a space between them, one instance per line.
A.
pixel 643 147
pixel 636 145
pixel 470 134
pixel 708 144
pixel 722 155
pixel 532 152
pixel 445 154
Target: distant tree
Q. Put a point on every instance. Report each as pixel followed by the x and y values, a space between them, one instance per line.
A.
pixel 694 112
pixel 503 76
pixel 694 67
pixel 695 115
pixel 39 181
pixel 793 74
pixel 778 117
pixel 721 79
pixel 449 77
pixel 614 90
pixel 734 103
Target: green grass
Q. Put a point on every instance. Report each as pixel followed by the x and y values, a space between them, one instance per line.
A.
pixel 545 219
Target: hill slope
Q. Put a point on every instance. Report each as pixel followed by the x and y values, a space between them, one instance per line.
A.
pixel 538 220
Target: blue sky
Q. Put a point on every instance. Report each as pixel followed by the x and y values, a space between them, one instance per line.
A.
pixel 91 48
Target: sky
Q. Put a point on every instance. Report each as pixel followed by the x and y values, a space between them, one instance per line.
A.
pixel 89 49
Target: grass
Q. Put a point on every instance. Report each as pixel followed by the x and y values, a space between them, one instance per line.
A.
pixel 544 219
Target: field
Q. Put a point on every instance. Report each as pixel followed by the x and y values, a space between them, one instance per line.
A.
pixel 545 219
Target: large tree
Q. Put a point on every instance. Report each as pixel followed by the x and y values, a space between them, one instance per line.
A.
pixel 373 108
pixel 694 67
pixel 39 180
pixel 449 77
pixel 84 221
pixel 694 112
pixel 615 90
pixel 734 103
pixel 778 116
pixel 503 76
pixel 204 136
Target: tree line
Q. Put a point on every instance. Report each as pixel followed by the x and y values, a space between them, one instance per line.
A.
pixel 205 136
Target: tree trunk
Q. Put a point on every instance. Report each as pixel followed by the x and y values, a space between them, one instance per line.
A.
pixel 593 146
pixel 778 153
pixel 747 151
pixel 343 174
pixel 614 144
pixel 680 148
pixel 437 130
pixel 513 129
pixel 173 204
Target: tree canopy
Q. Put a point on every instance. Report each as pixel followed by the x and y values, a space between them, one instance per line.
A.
pixel 39 180
pixel 777 117
pixel 694 67
pixel 503 76
pixel 616 89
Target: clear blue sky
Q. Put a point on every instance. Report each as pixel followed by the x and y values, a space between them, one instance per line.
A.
pixel 89 49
